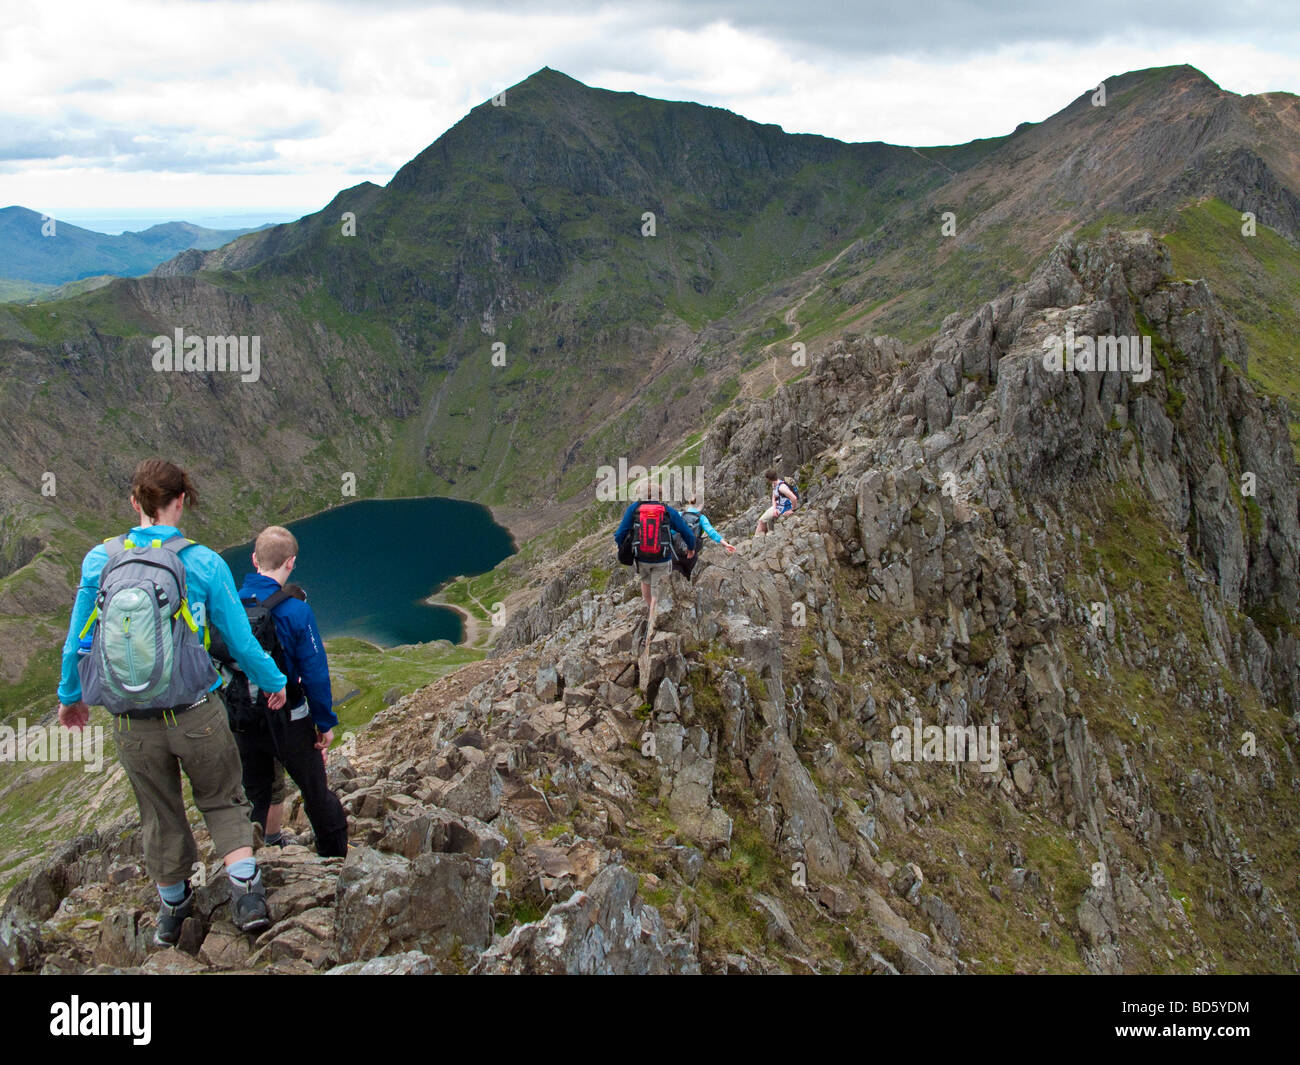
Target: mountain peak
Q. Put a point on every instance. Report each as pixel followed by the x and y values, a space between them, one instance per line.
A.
pixel 550 81
pixel 1160 79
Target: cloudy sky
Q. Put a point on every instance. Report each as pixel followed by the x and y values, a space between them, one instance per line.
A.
pixel 280 103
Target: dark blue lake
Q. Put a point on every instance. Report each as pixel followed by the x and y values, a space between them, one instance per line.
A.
pixel 367 566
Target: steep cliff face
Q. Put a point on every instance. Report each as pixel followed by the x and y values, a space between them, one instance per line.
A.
pixel 1015 690
pixel 978 404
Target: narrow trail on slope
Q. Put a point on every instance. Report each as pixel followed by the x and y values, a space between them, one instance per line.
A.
pixel 749 386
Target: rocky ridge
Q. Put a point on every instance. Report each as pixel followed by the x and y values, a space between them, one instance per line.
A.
pixel 1066 557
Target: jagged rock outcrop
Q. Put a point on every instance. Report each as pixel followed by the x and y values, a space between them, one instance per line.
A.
pixel 604 930
pixel 439 904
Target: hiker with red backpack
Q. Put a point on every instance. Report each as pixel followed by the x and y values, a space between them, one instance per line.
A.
pixel 785 500
pixel 644 539
pixel 137 646
pixel 298 737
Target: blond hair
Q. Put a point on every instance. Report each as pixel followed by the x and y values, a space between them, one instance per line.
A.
pixel 274 547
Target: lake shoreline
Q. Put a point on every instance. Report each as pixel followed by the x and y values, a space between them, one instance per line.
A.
pixel 432 532
pixel 473 627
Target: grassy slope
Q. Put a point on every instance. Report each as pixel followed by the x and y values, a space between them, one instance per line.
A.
pixel 1257 280
pixel 14 290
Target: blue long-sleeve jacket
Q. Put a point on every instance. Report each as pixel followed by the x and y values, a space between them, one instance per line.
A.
pixel 706 526
pixel 674 520
pixel 304 651
pixel 210 589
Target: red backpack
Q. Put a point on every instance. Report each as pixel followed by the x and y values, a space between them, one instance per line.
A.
pixel 650 533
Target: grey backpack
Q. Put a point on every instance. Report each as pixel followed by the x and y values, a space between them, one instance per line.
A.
pixel 693 522
pixel 145 653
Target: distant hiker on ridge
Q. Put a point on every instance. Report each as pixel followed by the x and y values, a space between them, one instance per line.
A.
pixel 694 517
pixel 644 539
pixel 137 646
pixel 298 737
pixel 785 500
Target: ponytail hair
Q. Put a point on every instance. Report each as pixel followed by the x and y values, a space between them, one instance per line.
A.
pixel 157 482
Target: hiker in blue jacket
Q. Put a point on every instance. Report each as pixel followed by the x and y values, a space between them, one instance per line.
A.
pixel 154 745
pixel 299 737
pixel 701 526
pixel 650 524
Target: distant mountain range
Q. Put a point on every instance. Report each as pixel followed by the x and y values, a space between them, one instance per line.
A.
pixel 44 252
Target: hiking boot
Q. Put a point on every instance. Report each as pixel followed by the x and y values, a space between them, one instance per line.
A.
pixel 287 839
pixel 170 919
pixel 248 904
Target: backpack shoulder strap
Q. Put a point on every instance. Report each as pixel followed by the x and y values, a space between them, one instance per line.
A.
pixel 175 544
pixel 115 545
pixel 273 601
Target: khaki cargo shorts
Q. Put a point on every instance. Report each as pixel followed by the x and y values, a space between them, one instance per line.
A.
pixel 154 752
pixel 653 572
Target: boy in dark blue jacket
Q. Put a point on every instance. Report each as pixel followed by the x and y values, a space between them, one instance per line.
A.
pixel 298 736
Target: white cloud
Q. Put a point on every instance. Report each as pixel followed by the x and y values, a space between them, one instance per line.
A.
pixel 157 103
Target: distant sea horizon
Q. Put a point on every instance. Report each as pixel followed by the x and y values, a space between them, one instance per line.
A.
pixel 118 220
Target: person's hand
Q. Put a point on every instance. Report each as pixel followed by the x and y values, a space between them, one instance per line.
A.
pixel 690 554
pixel 276 700
pixel 731 548
pixel 75 715
pixel 323 741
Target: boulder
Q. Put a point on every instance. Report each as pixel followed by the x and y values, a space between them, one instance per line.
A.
pixel 548 684
pixel 475 790
pixel 439 904
pixel 605 930
pixel 20 942
pixel 421 829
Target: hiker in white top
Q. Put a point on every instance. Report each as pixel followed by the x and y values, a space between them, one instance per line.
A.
pixel 784 501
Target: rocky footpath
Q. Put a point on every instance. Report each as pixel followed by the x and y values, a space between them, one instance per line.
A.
pixel 1062 566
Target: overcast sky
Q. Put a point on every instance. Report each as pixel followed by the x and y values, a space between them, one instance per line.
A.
pixel 161 103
